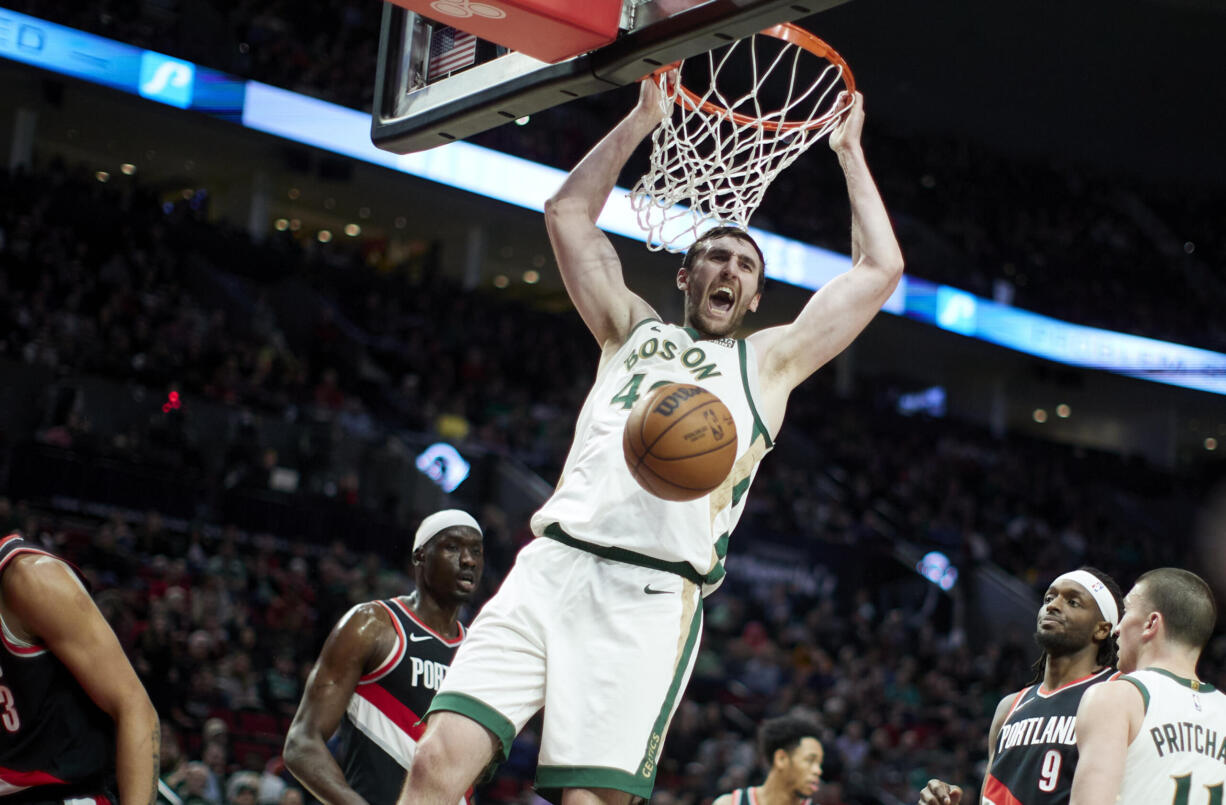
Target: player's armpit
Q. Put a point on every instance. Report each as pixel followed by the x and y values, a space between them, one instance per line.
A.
pixel 1106 722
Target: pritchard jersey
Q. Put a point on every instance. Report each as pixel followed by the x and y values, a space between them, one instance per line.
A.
pixel 1179 754
pixel 597 500
pixel 55 743
pixel 1036 750
pixel 382 723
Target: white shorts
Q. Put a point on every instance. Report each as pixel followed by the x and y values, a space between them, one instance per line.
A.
pixel 604 646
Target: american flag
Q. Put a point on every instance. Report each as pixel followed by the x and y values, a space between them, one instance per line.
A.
pixel 450 49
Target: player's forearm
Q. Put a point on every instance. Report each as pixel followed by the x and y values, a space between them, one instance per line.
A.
pixel 309 760
pixel 1094 787
pixel 873 243
pixel 588 186
pixel 137 751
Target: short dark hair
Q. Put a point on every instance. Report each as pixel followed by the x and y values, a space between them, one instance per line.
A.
pixel 786 733
pixel 700 245
pixel 1186 603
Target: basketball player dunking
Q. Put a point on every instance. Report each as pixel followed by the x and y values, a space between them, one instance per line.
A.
pixel 598 620
pixel 1032 749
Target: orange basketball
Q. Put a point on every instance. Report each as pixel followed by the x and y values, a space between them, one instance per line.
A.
pixel 680 442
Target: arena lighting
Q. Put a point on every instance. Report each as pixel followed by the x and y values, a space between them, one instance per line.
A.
pixel 527 184
pixel 936 567
pixel 930 401
pixel 443 464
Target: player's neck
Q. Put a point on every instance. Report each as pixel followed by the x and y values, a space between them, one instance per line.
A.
pixel 1171 659
pixel 776 792
pixel 442 619
pixel 1059 671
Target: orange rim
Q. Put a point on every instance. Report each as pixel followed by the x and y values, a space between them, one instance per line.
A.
pixel 793 35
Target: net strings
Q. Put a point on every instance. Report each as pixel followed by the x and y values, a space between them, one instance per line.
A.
pixel 707 169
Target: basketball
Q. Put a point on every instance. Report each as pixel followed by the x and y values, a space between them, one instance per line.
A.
pixel 680 442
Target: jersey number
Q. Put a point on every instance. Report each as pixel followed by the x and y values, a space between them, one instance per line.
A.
pixel 8 710
pixel 1183 791
pixel 1049 774
pixel 629 392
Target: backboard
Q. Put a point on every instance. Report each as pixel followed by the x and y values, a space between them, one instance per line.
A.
pixel 416 108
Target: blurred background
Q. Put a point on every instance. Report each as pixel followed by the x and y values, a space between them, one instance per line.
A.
pixel 239 366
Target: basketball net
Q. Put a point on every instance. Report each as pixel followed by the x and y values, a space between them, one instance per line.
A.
pixel 714 156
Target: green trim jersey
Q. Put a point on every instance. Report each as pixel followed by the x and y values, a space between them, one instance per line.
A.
pixel 599 505
pixel 1179 754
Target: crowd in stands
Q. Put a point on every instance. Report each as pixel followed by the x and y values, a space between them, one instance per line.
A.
pixel 1045 235
pixel 107 280
pixel 103 279
pixel 223 627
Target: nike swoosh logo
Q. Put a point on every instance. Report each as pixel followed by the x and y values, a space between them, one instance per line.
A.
pixel 647 589
pixel 417 638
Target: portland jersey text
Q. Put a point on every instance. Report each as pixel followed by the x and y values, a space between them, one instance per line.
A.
pixel 1036 749
pixel 382 723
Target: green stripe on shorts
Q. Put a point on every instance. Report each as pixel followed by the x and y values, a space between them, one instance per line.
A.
pixel 480 712
pixel 551 779
pixel 647 769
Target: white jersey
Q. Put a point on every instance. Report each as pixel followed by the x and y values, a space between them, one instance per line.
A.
pixel 1179 754
pixel 597 501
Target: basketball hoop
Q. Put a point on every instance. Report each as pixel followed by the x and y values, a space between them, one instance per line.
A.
pixel 719 151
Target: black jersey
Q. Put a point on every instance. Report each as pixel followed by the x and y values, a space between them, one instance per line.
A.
pixel 55 743
pixel 383 722
pixel 1036 750
pixel 749 796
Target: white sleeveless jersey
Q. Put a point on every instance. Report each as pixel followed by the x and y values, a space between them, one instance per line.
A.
pixel 1179 755
pixel 597 500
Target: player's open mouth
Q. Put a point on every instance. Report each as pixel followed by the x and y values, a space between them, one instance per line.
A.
pixel 466 581
pixel 722 299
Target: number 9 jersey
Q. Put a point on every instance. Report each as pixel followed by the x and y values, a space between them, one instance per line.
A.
pixel 1036 750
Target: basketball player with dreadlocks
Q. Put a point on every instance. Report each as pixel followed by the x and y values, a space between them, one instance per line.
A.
pixel 1032 745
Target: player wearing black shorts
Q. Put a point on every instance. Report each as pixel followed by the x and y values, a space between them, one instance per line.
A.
pixel 1032 745
pixel 75 721
pixel 379 670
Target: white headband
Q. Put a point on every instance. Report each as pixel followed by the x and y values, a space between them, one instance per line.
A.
pixel 441 521
pixel 1095 587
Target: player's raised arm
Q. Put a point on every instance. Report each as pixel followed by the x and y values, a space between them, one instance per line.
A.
pixel 349 649
pixel 1107 721
pixel 836 314
pixel 53 606
pixel 589 265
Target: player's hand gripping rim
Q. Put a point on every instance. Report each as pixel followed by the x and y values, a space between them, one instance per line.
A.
pixel 653 103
